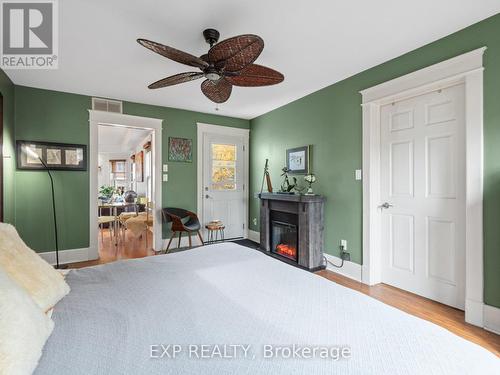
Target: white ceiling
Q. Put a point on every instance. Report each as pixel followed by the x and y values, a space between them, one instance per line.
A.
pixel 120 139
pixel 313 43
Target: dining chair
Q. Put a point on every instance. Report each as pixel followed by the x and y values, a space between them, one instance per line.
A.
pixel 182 221
pixel 105 219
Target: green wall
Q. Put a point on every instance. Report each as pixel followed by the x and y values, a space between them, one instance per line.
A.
pixel 61 117
pixel 330 120
pixel 7 91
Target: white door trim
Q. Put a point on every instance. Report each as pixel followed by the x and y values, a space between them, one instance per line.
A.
pixel 109 118
pixel 222 130
pixel 468 69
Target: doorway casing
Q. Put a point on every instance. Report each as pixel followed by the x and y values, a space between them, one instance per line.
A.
pixel 97 118
pixel 467 69
pixel 203 129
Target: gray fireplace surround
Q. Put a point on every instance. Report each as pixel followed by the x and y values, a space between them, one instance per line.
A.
pixel 307 214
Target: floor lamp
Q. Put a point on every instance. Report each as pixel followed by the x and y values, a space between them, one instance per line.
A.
pixel 34 155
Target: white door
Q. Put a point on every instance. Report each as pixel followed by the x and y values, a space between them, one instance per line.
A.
pixel 423 195
pixel 223 182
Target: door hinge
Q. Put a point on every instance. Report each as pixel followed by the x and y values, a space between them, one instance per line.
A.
pixel 243 147
pixel 243 187
pixel 243 226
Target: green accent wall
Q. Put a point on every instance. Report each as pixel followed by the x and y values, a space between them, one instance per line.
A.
pixel 7 91
pixel 61 117
pixel 330 120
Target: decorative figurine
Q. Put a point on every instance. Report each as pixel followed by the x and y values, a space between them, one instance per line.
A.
pixel 286 186
pixel 310 179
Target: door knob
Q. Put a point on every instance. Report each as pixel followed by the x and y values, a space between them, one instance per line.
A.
pixel 386 205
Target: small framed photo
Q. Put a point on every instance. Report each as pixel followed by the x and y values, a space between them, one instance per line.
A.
pixel 297 160
pixel 32 155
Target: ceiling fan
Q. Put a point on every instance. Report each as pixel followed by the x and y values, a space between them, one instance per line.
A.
pixel 227 63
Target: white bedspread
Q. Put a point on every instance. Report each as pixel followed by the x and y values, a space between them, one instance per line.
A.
pixel 228 294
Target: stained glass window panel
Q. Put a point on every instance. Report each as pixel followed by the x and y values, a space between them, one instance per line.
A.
pixel 223 167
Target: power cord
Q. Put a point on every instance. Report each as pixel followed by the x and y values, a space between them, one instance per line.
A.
pixel 342 251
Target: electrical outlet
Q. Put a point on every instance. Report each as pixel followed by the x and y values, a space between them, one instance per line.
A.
pixel 254 221
pixel 343 244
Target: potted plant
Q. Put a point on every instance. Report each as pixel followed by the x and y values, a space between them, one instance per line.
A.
pixel 106 192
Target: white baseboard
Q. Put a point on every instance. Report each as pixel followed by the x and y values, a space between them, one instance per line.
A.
pixel 474 312
pixel 349 269
pixel 492 319
pixel 67 256
pixel 254 236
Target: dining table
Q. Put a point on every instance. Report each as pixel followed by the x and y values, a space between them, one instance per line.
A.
pixel 113 207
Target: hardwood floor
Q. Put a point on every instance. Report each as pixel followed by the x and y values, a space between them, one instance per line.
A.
pixel 130 248
pixel 442 315
pixel 447 317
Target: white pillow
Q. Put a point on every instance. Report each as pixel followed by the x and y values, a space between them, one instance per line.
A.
pixel 44 284
pixel 24 328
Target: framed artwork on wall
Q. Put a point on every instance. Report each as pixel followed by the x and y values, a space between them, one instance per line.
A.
pixel 297 160
pixel 139 166
pixel 180 149
pixel 57 156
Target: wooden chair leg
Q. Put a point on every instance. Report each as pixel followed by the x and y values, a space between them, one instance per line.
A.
pixel 170 241
pixel 201 238
pixel 179 243
pixel 189 237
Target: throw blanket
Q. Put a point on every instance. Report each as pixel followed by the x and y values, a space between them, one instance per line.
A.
pixel 118 315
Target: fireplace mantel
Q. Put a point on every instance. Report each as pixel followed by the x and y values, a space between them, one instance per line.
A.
pixel 310 217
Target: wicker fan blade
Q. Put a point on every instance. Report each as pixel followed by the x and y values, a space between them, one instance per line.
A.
pixel 255 75
pixel 235 53
pixel 175 79
pixel 217 91
pixel 173 54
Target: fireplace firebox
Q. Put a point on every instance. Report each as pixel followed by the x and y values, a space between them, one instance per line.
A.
pixel 284 239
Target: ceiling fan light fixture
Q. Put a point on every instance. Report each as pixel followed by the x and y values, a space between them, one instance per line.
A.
pixel 212 75
pixel 227 63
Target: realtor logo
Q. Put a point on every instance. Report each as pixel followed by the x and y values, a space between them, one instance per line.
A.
pixel 29 34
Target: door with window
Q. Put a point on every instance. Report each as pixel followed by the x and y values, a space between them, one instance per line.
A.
pixel 223 182
pixel 423 195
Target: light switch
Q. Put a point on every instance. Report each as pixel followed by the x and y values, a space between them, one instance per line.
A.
pixel 165 177
pixel 358 175
pixel 165 167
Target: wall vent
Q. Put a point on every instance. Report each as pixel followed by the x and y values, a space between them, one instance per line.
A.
pixel 99 104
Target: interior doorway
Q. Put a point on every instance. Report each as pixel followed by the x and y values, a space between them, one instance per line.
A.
pixel 125 185
pixel 152 206
pixel 465 71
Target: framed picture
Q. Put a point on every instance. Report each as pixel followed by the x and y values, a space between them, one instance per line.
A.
pixel 180 149
pixel 57 156
pixel 297 160
pixel 139 166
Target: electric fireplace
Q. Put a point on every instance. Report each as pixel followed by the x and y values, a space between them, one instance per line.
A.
pixel 291 229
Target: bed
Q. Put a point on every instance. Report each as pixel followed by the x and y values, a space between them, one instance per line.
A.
pixel 117 317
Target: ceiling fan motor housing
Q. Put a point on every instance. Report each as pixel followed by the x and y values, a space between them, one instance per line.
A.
pixel 211 36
